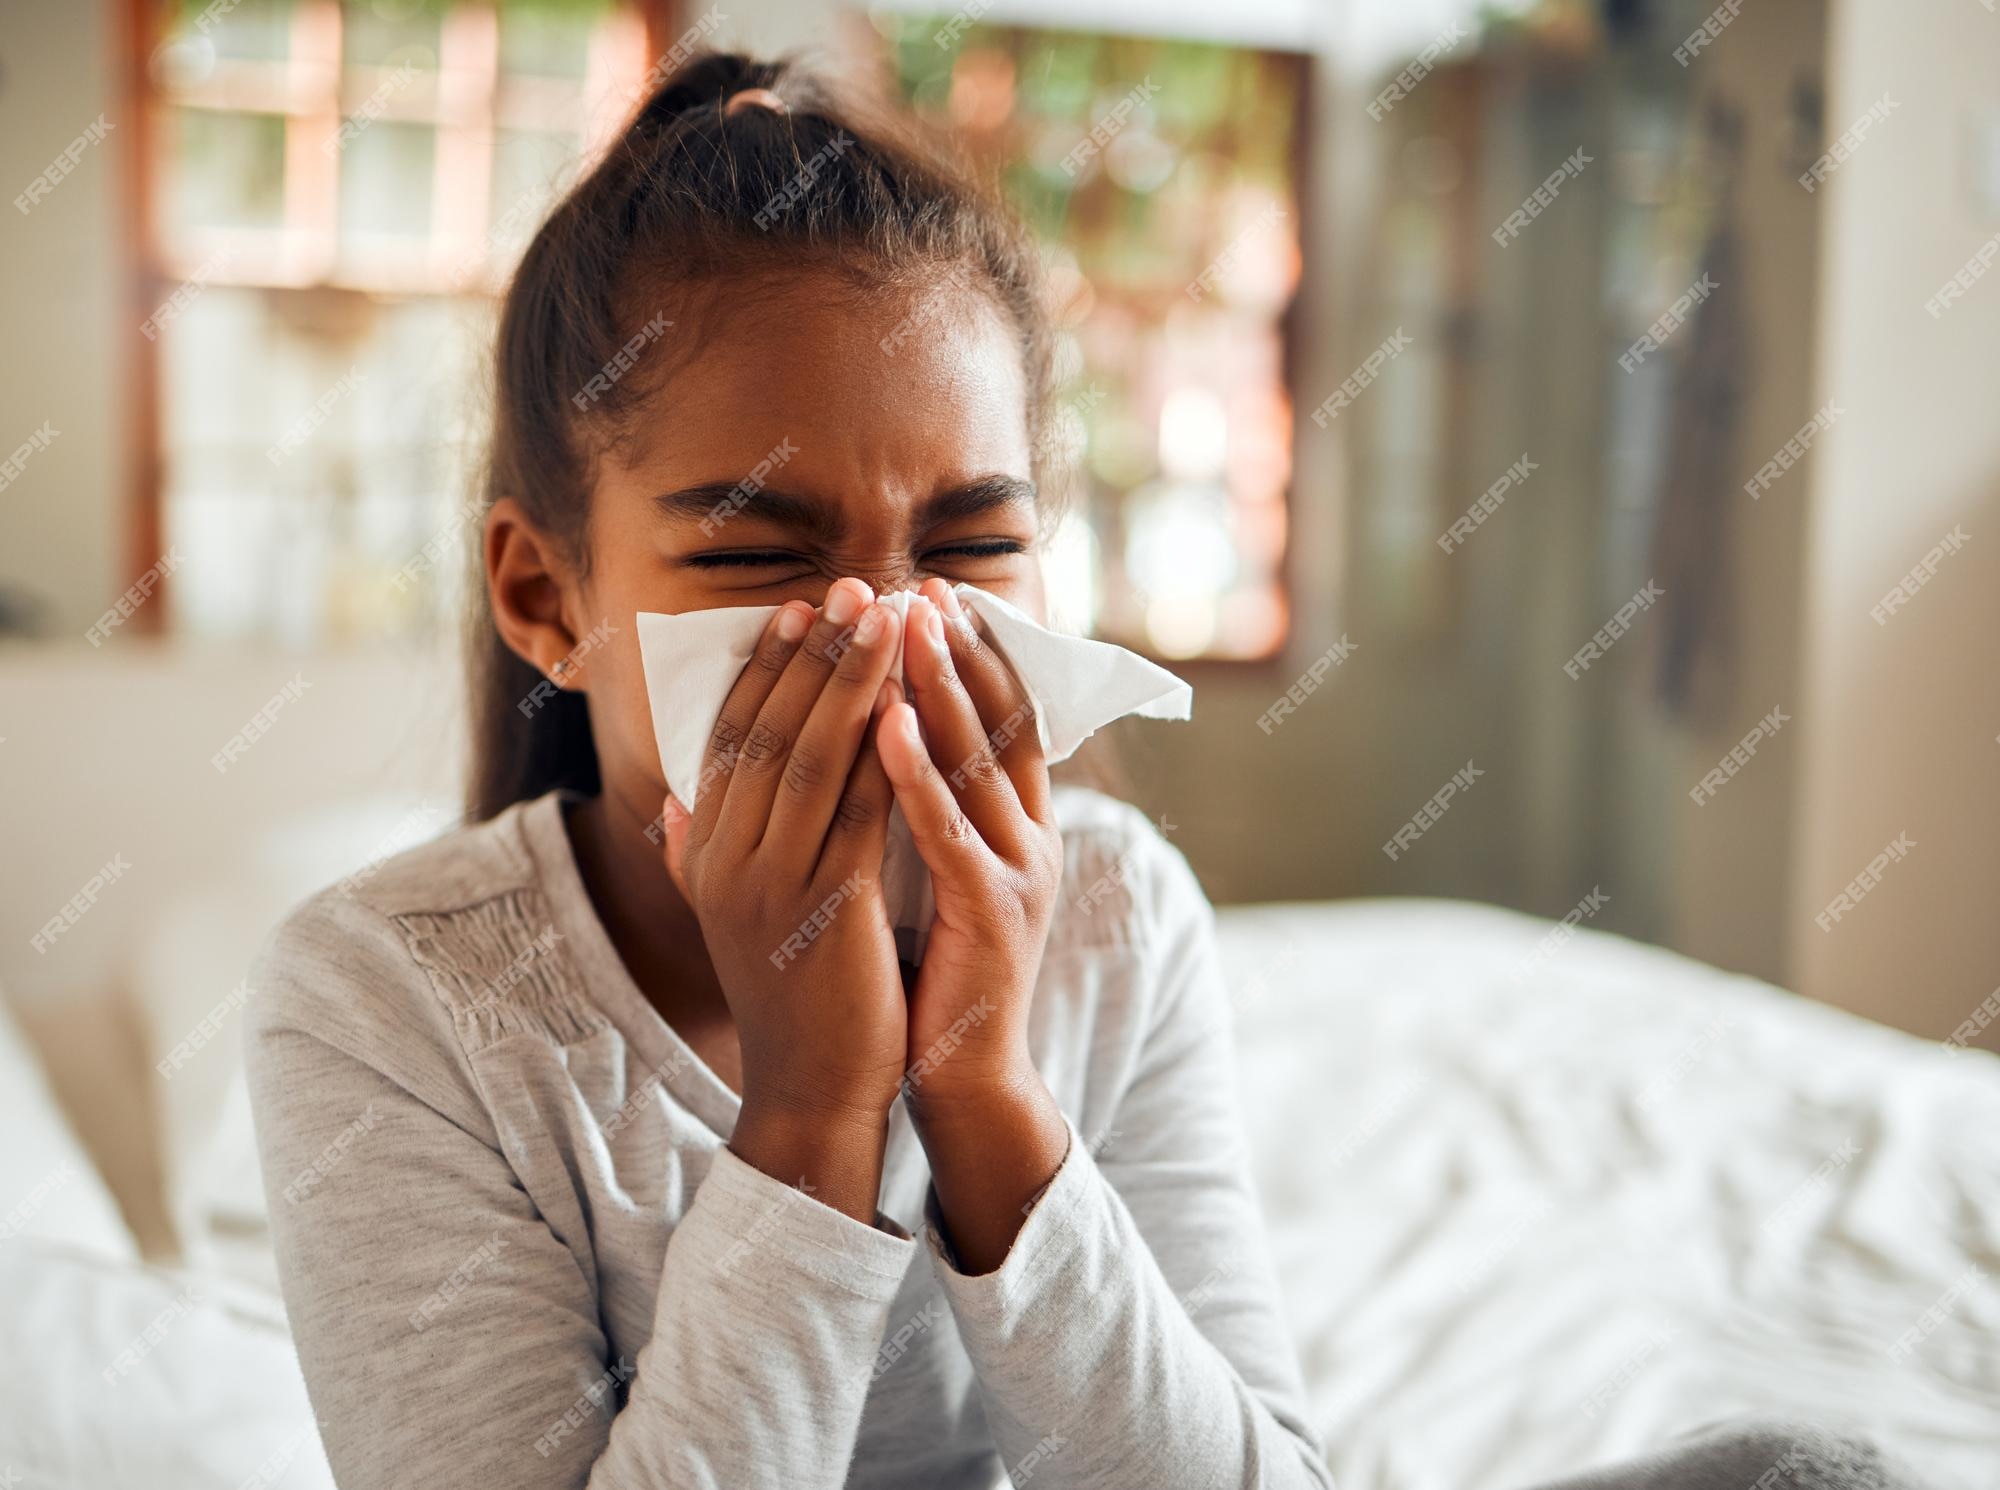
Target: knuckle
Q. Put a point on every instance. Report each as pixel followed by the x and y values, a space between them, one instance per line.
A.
pixel 805 770
pixel 958 828
pixel 1049 852
pixel 855 811
pixel 764 743
pixel 726 739
pixel 1004 911
pixel 829 643
pixel 770 659
pixel 983 768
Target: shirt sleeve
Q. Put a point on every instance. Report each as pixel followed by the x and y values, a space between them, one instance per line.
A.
pixel 449 1338
pixel 1133 1335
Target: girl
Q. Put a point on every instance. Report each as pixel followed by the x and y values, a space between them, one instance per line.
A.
pixel 604 1188
pixel 625 1200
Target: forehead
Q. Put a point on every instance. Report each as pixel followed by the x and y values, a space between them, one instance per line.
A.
pixel 883 394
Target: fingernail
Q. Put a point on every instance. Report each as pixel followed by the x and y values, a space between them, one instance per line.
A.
pixel 793 623
pixel 869 627
pixel 843 605
pixel 948 602
pixel 907 722
pixel 934 623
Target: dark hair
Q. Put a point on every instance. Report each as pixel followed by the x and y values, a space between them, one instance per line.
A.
pixel 695 195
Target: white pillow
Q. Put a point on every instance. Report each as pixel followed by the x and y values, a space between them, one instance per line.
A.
pixel 130 1375
pixel 49 1188
pixel 188 980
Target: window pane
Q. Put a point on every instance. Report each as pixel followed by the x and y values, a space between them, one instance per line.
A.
pixel 386 172
pixel 223 170
pixel 530 166
pixel 548 40
pixel 312 478
pixel 259 30
pixel 387 32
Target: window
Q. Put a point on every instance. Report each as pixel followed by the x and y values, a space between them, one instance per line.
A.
pixel 340 186
pixel 1162 176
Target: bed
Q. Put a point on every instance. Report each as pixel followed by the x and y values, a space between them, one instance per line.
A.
pixel 1536 1203
pixel 1539 1203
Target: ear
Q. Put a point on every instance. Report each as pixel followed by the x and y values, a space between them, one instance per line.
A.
pixel 529 584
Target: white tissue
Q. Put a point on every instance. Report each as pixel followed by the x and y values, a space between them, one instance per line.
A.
pixel 1077 686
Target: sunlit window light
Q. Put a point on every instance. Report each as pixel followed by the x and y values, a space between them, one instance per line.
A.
pixel 1180 625
pixel 1194 435
pixel 1069 575
pixel 1180 556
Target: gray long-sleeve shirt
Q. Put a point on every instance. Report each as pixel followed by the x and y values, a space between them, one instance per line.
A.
pixel 516 1251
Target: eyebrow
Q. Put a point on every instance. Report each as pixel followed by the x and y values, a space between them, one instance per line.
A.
pixel 821 518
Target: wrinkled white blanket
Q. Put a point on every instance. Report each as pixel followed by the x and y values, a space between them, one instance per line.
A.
pixel 1526 1224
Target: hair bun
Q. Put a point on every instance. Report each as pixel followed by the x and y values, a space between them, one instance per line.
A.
pixel 705 81
pixel 754 98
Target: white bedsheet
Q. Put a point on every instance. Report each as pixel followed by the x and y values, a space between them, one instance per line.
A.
pixel 120 1376
pixel 1526 1226
pixel 49 1189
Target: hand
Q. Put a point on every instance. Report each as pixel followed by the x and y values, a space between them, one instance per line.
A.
pixel 781 862
pixel 974 789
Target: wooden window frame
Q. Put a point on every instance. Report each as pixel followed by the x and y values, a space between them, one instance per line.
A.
pixel 465 101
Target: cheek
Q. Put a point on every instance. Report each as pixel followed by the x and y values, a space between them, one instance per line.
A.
pixel 621 718
pixel 614 676
pixel 1024 590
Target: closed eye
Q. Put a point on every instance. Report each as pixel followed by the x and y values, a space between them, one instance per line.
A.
pixel 742 558
pixel 985 548
pixel 761 558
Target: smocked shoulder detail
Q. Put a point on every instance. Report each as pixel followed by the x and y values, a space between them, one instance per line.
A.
pixel 501 967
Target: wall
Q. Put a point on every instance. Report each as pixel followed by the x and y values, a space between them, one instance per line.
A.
pixel 1900 723
pixel 66 325
pixel 1730 872
pixel 109 756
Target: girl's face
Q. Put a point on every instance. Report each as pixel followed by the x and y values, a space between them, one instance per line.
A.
pixel 813 433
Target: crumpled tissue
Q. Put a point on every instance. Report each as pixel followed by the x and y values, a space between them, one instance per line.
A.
pixel 1078 686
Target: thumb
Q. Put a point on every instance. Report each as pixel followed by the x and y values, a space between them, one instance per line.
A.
pixel 676 820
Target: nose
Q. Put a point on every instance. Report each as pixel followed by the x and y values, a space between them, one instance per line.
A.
pixel 888 579
pixel 885 578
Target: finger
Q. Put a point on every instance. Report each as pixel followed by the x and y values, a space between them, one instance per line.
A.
pixel 956 734
pixel 860 827
pixel 950 846
pixel 768 745
pixel 816 774
pixel 677 821
pixel 775 648
pixel 1005 706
